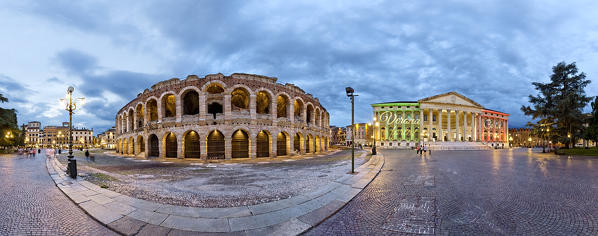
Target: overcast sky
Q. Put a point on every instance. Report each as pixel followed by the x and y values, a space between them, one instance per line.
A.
pixel 489 51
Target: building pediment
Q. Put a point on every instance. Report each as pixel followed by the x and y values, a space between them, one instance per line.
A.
pixel 452 98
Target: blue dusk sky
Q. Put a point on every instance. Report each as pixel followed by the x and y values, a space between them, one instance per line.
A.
pixel 489 51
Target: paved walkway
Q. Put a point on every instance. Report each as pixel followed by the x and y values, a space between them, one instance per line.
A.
pixel 32 205
pixel 290 216
pixel 494 192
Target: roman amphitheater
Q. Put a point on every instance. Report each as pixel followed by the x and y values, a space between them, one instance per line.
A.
pixel 222 117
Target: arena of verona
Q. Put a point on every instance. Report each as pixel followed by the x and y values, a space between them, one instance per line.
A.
pixel 222 117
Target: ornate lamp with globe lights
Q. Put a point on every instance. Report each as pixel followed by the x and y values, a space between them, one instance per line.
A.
pixel 71 106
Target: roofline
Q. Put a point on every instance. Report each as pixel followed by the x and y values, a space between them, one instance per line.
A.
pixel 399 103
pixel 494 112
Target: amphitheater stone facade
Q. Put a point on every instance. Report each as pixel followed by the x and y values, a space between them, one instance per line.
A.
pixel 222 117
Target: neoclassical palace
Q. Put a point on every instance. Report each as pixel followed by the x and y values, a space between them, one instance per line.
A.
pixel 222 117
pixel 445 118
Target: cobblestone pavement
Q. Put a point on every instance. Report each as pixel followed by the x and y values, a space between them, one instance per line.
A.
pixel 31 204
pixel 502 192
pixel 198 184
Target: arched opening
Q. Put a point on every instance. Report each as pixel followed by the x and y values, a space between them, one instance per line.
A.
pixel 169 105
pixel 310 111
pixel 214 108
pixel 297 143
pixel 263 101
pixel 139 114
pixel 282 102
pixel 131 117
pixel 309 143
pixel 281 144
pixel 191 103
pixel 262 144
pixel 171 145
pixel 298 109
pixel 125 148
pixel 317 145
pixel 239 99
pixel 152 109
pixel 215 145
pixel 214 88
pixel 317 117
pixel 240 144
pixel 154 148
pixel 192 145
pixel 140 144
pixel 131 146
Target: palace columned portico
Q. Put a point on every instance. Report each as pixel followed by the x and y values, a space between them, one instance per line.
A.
pixel 444 118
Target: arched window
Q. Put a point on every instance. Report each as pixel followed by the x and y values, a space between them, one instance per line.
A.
pixel 239 99
pixel 191 103
pixel 281 144
pixel 240 144
pixel 298 104
pixel 262 144
pixel 215 145
pixel 192 145
pixel 282 102
pixel 169 105
pixel 139 114
pixel 262 103
pixel 214 88
pixel 297 143
pixel 308 117
pixel 171 145
pixel 152 109
pixel 308 147
pixel 154 148
pixel 140 143
pixel 131 117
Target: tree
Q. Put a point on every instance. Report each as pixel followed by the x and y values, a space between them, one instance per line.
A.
pixel 561 100
pixel 3 99
pixel 591 131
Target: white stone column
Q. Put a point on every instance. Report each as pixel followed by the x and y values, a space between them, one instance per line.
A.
pixel 179 108
pixel 227 107
pixel 135 126
pixel 203 111
pixel 252 108
pixel 465 133
pixel 273 111
pixel 421 125
pixel 440 131
pixel 448 132
pixel 457 126
pixel 291 112
pixel 473 127
pixel 430 117
pixel 160 115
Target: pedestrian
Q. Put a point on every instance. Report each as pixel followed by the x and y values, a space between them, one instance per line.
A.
pixel 87 155
pixel 417 149
pixel 425 148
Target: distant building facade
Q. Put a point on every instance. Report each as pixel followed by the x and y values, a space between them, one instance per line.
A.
pixel 106 139
pixel 338 135
pixel 363 134
pixel 33 134
pixel 448 119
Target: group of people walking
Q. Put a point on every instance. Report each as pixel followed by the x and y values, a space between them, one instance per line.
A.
pixel 422 148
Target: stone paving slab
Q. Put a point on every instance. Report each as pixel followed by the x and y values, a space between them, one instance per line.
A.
pixel 292 216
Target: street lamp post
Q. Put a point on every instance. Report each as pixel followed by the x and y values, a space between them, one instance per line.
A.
pixel 71 106
pixel 350 94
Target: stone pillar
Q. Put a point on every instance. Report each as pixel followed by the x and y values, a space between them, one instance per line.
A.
pixel 291 144
pixel 146 144
pixel 273 111
pixel 273 147
pixel 203 147
pixel 465 133
pixel 440 131
pixel 448 130
pixel 430 119
pixel 203 111
pixel 291 112
pixel 179 108
pixel 135 126
pixel 474 127
pixel 160 114
pixel 411 134
pixel 304 115
pixel 421 125
pixel 227 108
pixel 180 148
pixel 252 147
pixel 457 126
pixel 145 117
pixel 228 147
pixel 252 108
pixel 507 131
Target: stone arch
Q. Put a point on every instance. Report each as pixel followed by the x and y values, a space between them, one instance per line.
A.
pixel 240 144
pixel 139 111
pixel 282 141
pixel 317 116
pixel 263 144
pixel 298 141
pixel 309 116
pixel 191 144
pixel 131 119
pixel 168 104
pixel 298 108
pixel 240 98
pixel 214 87
pixel 170 144
pixel 152 109
pixel 216 146
pixel 154 146
pixel 263 100
pixel 190 101
pixel 282 105
pixel 131 149
pixel 140 144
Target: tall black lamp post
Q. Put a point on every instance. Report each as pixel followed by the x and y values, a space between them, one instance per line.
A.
pixel 350 94
pixel 71 169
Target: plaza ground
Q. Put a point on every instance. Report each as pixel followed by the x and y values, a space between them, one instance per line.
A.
pixel 224 184
pixel 32 205
pixel 497 192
